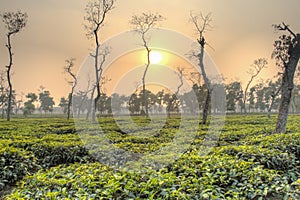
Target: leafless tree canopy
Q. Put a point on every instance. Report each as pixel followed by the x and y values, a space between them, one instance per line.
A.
pixel 14 21
pixel 68 69
pixel 144 22
pixel 257 67
pixel 96 12
pixel 202 24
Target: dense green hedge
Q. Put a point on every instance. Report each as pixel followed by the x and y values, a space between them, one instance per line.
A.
pixel 191 177
pixel 249 162
pixel 15 164
pixel 26 146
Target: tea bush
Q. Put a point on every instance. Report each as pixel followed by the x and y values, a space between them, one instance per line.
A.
pixel 15 164
pixel 248 162
pixel 191 177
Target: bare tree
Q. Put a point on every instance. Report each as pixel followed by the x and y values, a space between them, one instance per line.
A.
pixel 19 103
pixel 73 82
pixel 203 24
pixel 257 67
pixel 287 54
pixel 96 12
pixel 195 78
pixel 142 24
pixel 3 93
pixel 274 95
pixel 14 23
pixel 172 101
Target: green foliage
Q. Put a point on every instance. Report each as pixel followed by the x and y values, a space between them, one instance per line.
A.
pixel 46 101
pixel 14 164
pixel 249 161
pixel 28 145
pixel 191 177
pixel 29 107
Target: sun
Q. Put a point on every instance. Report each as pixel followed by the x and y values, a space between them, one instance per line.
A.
pixel 155 57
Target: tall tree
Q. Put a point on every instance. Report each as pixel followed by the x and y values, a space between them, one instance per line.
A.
pixel 234 95
pixel 73 82
pixel 287 54
pixel 260 91
pixel 96 13
pixel 64 104
pixel 29 106
pixel 159 100
pixel 46 101
pixel 142 24
pixel 203 24
pixel 257 67
pixel 14 23
pixel 171 100
pixel 19 103
pixel 251 98
pixel 134 104
pixel 3 93
pixel 272 94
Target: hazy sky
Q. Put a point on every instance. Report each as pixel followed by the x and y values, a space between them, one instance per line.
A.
pixel 242 33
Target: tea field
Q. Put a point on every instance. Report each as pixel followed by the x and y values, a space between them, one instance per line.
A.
pixel 46 158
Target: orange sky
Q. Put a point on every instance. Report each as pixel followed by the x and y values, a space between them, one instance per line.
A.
pixel 242 33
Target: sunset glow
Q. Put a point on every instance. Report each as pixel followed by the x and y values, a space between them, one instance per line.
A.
pixel 155 57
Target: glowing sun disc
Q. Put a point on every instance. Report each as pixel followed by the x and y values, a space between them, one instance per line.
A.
pixel 155 57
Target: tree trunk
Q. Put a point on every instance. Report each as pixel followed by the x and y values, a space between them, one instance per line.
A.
pixel 69 105
pixel 273 97
pixel 206 107
pixel 91 107
pixel 3 113
pixel 8 77
pixel 287 88
pixel 143 79
pixel 207 83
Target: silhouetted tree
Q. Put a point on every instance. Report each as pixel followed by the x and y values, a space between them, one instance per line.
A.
pixel 46 101
pixel 257 67
pixel 117 102
pixel 134 104
pixel 287 54
pixel 273 92
pixel 29 106
pixel 171 100
pixel 14 23
pixel 251 98
pixel 191 99
pixel 64 104
pixel 19 104
pixel 142 24
pixel 96 12
pixel 73 82
pixel 3 93
pixel 234 94
pixel 79 101
pixel 159 100
pixel 101 103
pixel 260 92
pixel 203 24
pixel 295 101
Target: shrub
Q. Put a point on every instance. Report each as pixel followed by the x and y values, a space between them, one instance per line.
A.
pixel 191 177
pixel 15 164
